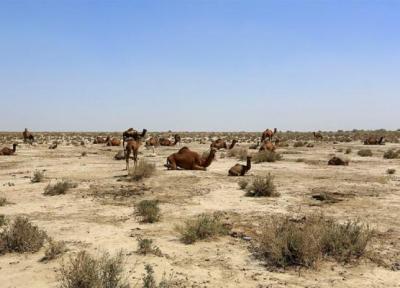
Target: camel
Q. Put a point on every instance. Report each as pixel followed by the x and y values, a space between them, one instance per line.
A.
pixel 99 140
pixel 338 161
pixel 113 141
pixel 133 144
pixel 132 134
pixel 268 145
pixel 152 142
pixel 268 134
pixel 189 160
pixel 372 140
pixel 28 136
pixel 239 169
pixel 317 136
pixel 219 144
pixel 7 151
pixel 167 142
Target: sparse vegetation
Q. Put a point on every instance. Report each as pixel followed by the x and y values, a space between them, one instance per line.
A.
pixel 59 188
pixel 146 246
pixel 391 154
pixel 243 183
pixel 266 156
pixel 3 222
pixel 238 152
pixel 348 151
pixel 84 154
pixel 364 153
pixel 148 210
pixel 85 271
pixel 38 176
pixel 292 243
pixel 262 186
pixel 142 170
pixel 54 250
pixel 22 236
pixel 391 171
pixel 299 144
pixel 204 226
pixel 3 201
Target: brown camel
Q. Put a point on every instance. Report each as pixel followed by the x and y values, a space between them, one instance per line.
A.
pixel 132 134
pixel 167 142
pixel 152 142
pixel 268 134
pixel 268 145
pixel 7 151
pixel 28 136
pixel 219 144
pixel 189 160
pixel 99 140
pixel 338 161
pixel 318 136
pixel 132 146
pixel 373 140
pixel 113 141
pixel 239 169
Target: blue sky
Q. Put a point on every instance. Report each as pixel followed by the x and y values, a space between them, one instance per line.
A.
pixel 199 65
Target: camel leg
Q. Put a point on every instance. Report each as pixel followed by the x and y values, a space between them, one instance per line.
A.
pixel 127 159
pixel 171 164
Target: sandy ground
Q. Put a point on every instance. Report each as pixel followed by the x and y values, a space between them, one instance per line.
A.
pixel 88 219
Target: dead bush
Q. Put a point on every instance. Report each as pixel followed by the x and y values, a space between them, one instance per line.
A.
pixel 348 151
pixel 391 171
pixel 3 201
pixel 204 226
pixel 266 156
pixel 364 153
pixel 146 246
pixel 299 144
pixel 54 250
pixel 37 177
pixel 391 154
pixel 59 188
pixel 243 183
pixel 262 187
pixel 85 271
pixel 22 236
pixel 3 222
pixel 148 210
pixel 142 170
pixel 237 152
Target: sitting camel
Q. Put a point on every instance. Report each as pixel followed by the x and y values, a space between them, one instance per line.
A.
pixel 113 141
pixel 317 136
pixel 189 160
pixel 338 161
pixel 132 146
pixel 99 140
pixel 239 169
pixel 7 151
pixel 219 144
pixel 373 140
pixel 268 134
pixel 167 142
pixel 28 136
pixel 268 145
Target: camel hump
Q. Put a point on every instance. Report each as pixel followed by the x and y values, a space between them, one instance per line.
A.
pixel 183 149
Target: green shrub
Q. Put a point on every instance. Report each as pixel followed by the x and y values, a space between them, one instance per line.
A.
pixel 262 186
pixel 148 210
pixel 59 188
pixel 364 153
pixel 266 156
pixel 142 170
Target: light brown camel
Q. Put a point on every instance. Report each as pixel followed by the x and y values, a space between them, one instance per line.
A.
pixel 318 136
pixel 28 136
pixel 189 160
pixel 167 142
pixel 99 140
pixel 338 161
pixel 219 144
pixel 373 140
pixel 113 141
pixel 268 134
pixel 152 142
pixel 132 146
pixel 132 134
pixel 268 145
pixel 239 169
pixel 7 151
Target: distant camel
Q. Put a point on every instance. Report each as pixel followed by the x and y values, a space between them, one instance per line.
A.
pixel 268 134
pixel 189 160
pixel 99 140
pixel 113 141
pixel 132 134
pixel 28 136
pixel 167 142
pixel 267 145
pixel 219 144
pixel 318 136
pixel 132 146
pixel 7 151
pixel 152 142
pixel 239 169
pixel 338 161
pixel 372 140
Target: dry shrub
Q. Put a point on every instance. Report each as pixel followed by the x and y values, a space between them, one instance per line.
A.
pixel 38 176
pixel 85 271
pixel 59 188
pixel 266 156
pixel 3 201
pixel 391 154
pixel 54 250
pixel 365 153
pixel 285 243
pixel 145 246
pixel 262 186
pixel 299 144
pixel 348 151
pixel 3 222
pixel 243 183
pixel 391 171
pixel 148 210
pixel 22 236
pixel 142 170
pixel 204 226
pixel 238 152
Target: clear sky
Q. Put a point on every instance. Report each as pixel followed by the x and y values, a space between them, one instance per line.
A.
pixel 199 65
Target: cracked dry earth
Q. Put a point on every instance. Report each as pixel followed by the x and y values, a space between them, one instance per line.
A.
pixel 98 214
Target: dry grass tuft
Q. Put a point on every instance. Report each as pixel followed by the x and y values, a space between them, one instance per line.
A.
pixel 3 201
pixel 59 188
pixel 145 246
pixel 391 171
pixel 365 153
pixel 262 187
pixel 266 156
pixel 243 183
pixel 148 210
pixel 3 222
pixel 237 152
pixel 38 176
pixel 391 154
pixel 54 250
pixel 142 170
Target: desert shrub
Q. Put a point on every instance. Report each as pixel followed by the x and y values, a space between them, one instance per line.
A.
pixel 54 250
pixel 299 144
pixel 292 243
pixel 204 226
pixel 237 152
pixel 348 151
pixel 148 210
pixel 3 221
pixel 22 236
pixel 300 160
pixel 391 154
pixel 142 170
pixel 340 150
pixel 222 155
pixel 262 186
pixel 84 154
pixel 364 153
pixel 85 271
pixel 391 171
pixel 3 201
pixel 59 188
pixel 266 156
pixel 148 279
pixel 38 176
pixel 146 246
pixel 243 183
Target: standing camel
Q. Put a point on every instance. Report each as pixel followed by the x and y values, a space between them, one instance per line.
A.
pixel 189 160
pixel 318 136
pixel 239 169
pixel 7 151
pixel 132 146
pixel 28 136
pixel 268 134
pixel 132 134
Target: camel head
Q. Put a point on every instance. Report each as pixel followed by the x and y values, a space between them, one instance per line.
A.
pixel 15 146
pixel 381 140
pixel 143 133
